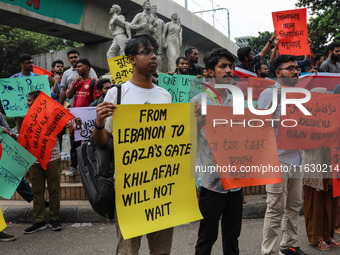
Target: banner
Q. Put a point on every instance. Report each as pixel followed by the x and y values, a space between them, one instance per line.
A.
pixel 181 87
pixel 120 68
pixel 321 129
pixel 291 27
pixel 323 80
pixel 2 221
pixel 243 73
pixel 88 119
pixel 41 71
pixel 245 153
pixel 42 123
pixel 258 85
pixel 14 91
pixel 154 153
pixel 335 152
pixel 14 163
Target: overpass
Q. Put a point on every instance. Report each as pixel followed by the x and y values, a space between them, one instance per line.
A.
pixel 87 22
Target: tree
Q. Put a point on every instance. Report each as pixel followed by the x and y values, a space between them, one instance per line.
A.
pixel 259 42
pixel 14 41
pixel 324 25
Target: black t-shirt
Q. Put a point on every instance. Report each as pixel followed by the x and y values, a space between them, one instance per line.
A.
pixel 196 70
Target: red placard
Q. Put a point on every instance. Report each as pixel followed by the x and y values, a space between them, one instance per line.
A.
pixel 321 129
pixel 43 122
pixel 247 155
pixel 291 27
pixel 41 71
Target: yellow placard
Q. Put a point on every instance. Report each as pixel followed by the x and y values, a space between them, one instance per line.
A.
pixel 2 221
pixel 154 151
pixel 120 68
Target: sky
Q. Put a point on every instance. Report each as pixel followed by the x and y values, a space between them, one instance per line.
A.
pixel 247 17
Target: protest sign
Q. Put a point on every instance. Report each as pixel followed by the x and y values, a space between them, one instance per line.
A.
pixel 0 150
pixel 321 129
pixel 243 73
pixel 14 163
pixel 42 123
pixel 2 221
pixel 14 91
pixel 259 85
pixel 335 152
pixel 319 80
pixel 41 71
pixel 120 68
pixel 245 154
pixel 291 27
pixel 181 87
pixel 88 119
pixel 153 156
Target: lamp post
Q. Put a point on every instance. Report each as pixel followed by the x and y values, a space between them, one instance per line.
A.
pixel 219 9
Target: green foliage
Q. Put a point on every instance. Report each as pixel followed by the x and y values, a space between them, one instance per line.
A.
pixel 324 25
pixel 15 41
pixel 259 42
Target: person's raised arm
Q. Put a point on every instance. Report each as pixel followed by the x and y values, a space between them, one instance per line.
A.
pixel 266 48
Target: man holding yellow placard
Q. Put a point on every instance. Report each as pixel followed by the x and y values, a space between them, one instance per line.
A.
pixel 142 53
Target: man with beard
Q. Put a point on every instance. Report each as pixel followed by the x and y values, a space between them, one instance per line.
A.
pixel 192 56
pixel 284 199
pixel 261 70
pixel 214 201
pixel 332 63
pixel 103 86
pixel 57 70
pixel 181 65
pixel 142 51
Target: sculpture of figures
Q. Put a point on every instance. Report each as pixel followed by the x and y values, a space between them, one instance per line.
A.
pixel 158 33
pixel 120 30
pixel 144 22
pixel 172 38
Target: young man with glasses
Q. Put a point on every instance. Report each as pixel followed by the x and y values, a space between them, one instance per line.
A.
pixel 26 64
pixel 142 52
pixel 284 199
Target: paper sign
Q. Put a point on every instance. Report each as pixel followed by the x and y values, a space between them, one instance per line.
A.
pixel 88 119
pixel 291 27
pixel 153 151
pixel 335 152
pixel 259 85
pixel 319 80
pixel 2 221
pixel 41 71
pixel 14 91
pixel 181 87
pixel 120 68
pixel 14 163
pixel 321 129
pixel 246 154
pixel 42 123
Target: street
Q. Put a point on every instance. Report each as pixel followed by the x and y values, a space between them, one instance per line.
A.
pixel 100 238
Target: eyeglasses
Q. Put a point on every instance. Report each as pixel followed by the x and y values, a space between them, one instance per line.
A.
pixel 148 52
pixel 291 69
pixel 28 63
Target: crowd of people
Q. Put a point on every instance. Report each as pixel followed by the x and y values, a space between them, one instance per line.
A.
pixel 79 87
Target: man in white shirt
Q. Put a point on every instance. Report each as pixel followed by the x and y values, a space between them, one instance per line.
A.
pixel 142 53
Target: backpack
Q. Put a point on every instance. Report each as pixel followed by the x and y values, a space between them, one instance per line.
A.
pixel 96 168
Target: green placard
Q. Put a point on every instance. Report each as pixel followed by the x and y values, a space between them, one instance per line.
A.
pixel 181 87
pixel 14 163
pixel 14 91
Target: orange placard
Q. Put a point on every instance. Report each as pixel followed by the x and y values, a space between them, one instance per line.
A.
pixel 258 85
pixel 0 149
pixel 43 122
pixel 321 129
pixel 41 71
pixel 335 152
pixel 291 27
pixel 245 154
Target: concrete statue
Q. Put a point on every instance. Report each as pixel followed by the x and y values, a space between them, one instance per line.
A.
pixel 120 30
pixel 158 33
pixel 172 40
pixel 144 22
